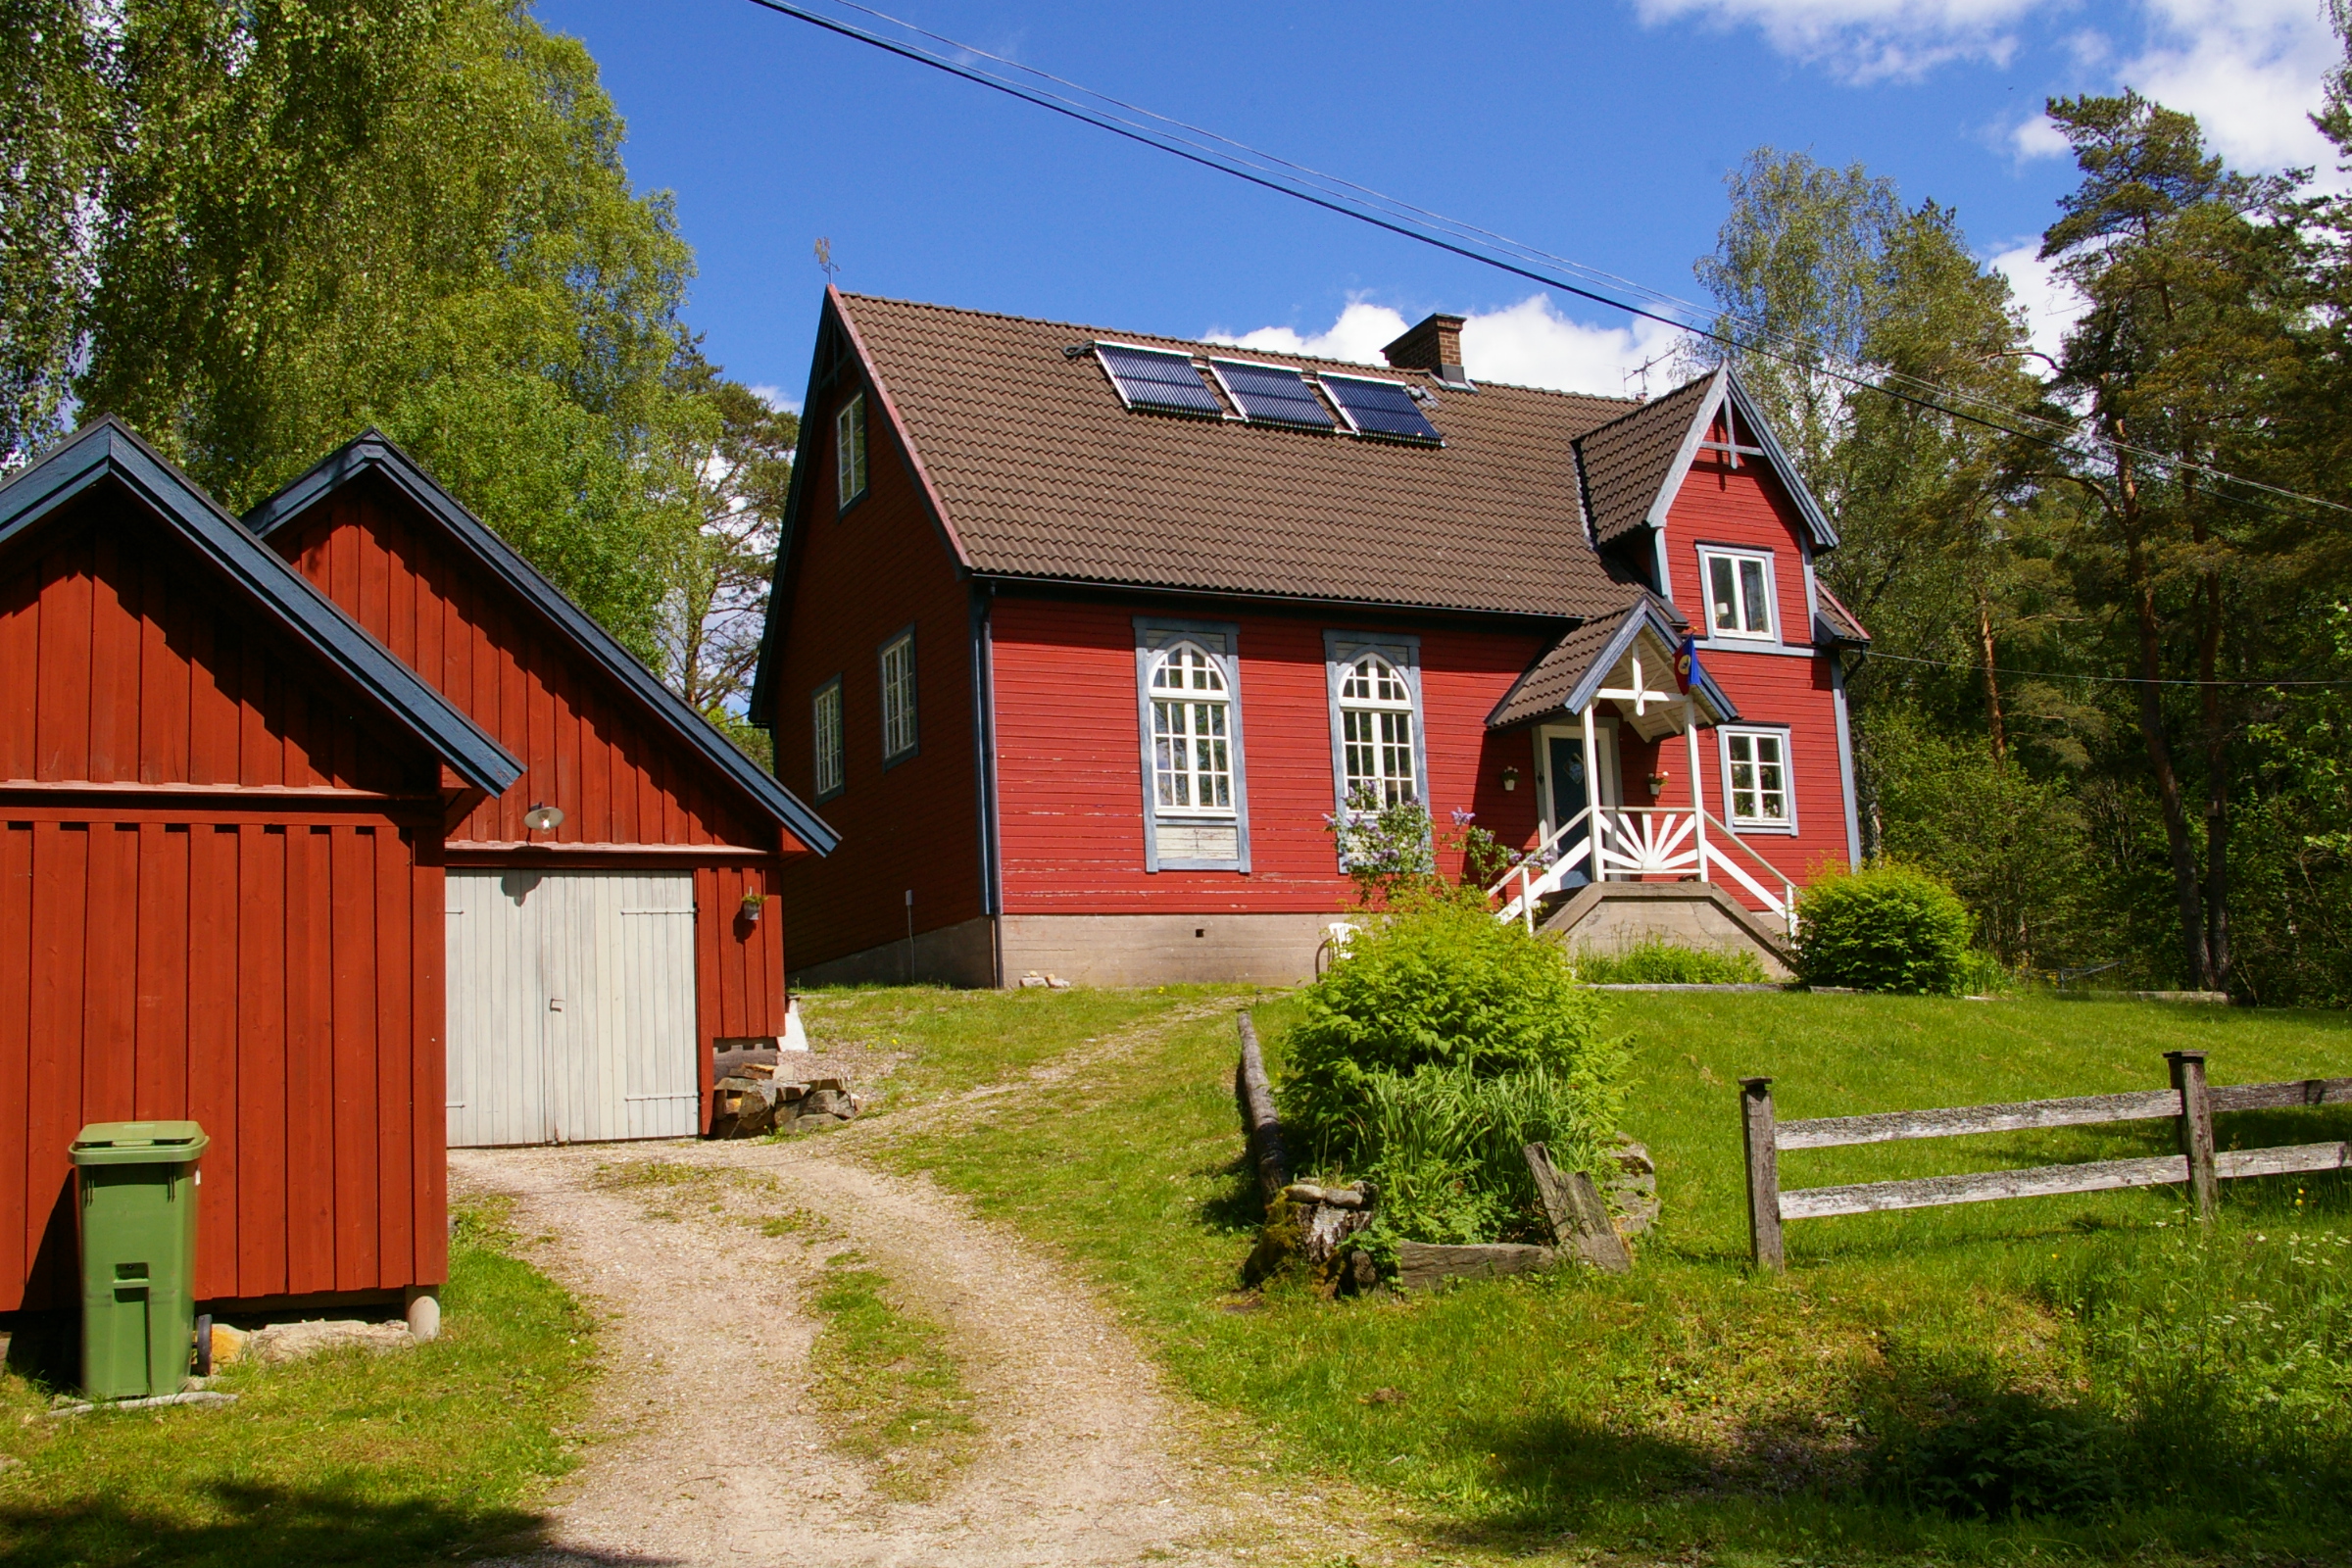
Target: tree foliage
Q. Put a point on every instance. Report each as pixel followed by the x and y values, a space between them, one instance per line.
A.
pixel 292 219
pixel 2081 707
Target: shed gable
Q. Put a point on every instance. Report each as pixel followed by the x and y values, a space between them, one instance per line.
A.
pixel 129 664
pixel 584 741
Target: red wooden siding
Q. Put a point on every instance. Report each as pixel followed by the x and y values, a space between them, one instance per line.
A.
pixel 261 955
pixel 857 579
pixel 1070 771
pixel 1748 506
pixel 583 743
pixel 121 665
pixel 586 745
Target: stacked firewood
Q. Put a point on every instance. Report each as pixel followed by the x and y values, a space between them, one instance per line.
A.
pixel 757 1098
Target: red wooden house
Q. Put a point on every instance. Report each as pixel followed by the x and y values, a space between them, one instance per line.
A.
pixel 221 809
pixel 1082 637
pixel 608 916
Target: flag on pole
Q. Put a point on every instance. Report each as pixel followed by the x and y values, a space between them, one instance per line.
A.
pixel 1686 665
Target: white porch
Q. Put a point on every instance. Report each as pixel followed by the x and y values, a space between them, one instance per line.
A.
pixel 1631 676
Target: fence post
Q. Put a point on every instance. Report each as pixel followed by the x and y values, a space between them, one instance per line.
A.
pixel 2196 1125
pixel 1763 1175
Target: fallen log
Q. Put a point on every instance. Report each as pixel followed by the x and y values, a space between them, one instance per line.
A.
pixel 1259 1124
pixel 1421 1266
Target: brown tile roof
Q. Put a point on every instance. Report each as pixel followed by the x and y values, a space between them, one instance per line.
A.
pixel 1626 460
pixel 1843 624
pixel 1043 473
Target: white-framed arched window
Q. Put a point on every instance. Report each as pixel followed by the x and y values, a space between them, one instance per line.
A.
pixel 1191 731
pixel 1377 761
pixel 1379 757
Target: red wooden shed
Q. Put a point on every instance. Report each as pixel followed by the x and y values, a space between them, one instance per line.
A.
pixel 593 962
pixel 221 812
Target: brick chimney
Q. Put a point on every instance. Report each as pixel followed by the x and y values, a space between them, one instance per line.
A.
pixel 1436 346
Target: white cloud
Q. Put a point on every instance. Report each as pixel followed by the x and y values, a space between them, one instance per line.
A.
pixel 2038 137
pixel 1529 343
pixel 1358 334
pixel 1866 40
pixel 775 398
pixel 2050 303
pixel 1532 344
pixel 2251 70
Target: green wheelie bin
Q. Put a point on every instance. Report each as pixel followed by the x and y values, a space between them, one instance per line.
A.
pixel 138 1216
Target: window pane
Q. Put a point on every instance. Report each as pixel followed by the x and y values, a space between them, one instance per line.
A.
pixel 1757 602
pixel 1721 596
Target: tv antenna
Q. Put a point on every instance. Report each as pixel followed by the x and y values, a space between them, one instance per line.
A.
pixel 1642 371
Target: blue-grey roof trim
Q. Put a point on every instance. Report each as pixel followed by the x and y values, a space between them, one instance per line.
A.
pixel 376 452
pixel 107 449
pixel 1645 614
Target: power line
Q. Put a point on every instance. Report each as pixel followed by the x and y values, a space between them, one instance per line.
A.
pixel 1350 200
pixel 2105 680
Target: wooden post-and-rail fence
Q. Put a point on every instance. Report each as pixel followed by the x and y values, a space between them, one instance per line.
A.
pixel 2190 1102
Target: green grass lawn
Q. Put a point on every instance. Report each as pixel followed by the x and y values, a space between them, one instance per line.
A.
pixel 421 1455
pixel 957 1040
pixel 2139 1388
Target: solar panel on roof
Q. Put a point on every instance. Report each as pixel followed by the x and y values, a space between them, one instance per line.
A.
pixel 1380 408
pixel 1273 394
pixel 1159 379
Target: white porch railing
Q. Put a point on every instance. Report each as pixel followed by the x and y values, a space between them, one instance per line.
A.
pixel 1627 843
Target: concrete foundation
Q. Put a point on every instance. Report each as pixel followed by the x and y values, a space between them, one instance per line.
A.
pixel 1159 949
pixel 1608 917
pixel 962 954
pixel 1091 950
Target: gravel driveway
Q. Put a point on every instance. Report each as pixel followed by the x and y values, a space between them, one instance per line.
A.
pixel 710 1454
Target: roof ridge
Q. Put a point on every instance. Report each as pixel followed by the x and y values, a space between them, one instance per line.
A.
pixel 1648 404
pixel 1206 348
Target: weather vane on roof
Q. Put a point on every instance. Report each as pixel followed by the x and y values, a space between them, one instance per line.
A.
pixel 824 258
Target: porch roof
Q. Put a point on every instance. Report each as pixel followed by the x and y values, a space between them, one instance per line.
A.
pixel 1573 672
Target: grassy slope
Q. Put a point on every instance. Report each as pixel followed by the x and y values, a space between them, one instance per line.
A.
pixel 342 1460
pixel 1690 1405
pixel 955 1040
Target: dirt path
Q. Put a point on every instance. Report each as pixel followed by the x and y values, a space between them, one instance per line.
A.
pixel 712 1451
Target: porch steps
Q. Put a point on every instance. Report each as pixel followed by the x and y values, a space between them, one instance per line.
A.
pixel 1611 916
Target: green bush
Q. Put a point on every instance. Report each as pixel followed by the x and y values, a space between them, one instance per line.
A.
pixel 1441 1045
pixel 1654 962
pixel 1887 928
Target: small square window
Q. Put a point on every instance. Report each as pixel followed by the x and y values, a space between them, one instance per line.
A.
pixel 825 723
pixel 1739 588
pixel 897 697
pixel 1755 779
pixel 849 449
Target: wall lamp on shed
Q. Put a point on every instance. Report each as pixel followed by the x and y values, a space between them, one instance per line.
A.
pixel 543 818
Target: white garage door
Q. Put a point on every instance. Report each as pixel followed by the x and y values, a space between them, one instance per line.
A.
pixel 570 1006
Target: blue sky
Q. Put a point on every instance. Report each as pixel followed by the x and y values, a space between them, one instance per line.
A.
pixel 1599 131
